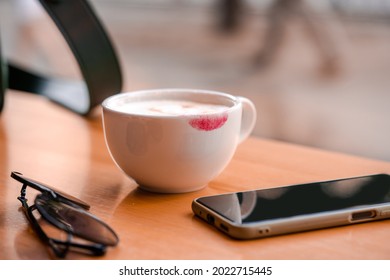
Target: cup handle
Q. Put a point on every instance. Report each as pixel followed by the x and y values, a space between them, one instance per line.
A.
pixel 248 119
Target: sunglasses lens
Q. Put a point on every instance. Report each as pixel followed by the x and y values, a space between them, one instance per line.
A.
pixel 76 221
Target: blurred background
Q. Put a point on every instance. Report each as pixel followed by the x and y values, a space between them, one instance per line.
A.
pixel 317 70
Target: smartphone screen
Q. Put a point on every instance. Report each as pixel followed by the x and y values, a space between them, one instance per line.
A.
pixel 245 208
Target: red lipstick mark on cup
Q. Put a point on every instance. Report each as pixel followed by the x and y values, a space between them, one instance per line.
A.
pixel 208 123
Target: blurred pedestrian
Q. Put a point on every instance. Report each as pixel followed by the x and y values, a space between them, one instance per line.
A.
pixel 278 17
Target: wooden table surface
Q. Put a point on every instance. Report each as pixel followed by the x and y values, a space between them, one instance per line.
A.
pixel 55 146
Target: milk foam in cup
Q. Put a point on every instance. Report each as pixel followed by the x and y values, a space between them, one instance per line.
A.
pixel 175 140
pixel 170 108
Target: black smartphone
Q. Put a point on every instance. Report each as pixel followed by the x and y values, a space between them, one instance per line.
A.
pixel 294 208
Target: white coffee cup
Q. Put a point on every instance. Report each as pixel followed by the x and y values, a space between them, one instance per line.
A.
pixel 175 140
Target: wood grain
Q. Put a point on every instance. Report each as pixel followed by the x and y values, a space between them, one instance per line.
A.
pixel 48 143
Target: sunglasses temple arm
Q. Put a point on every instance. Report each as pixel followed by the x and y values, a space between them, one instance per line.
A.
pixel 22 198
pixel 93 249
